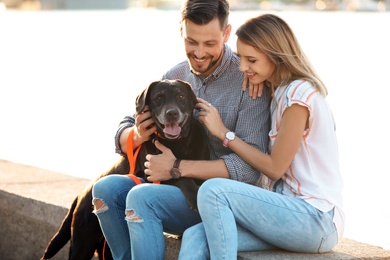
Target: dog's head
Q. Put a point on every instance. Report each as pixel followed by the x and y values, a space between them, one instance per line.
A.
pixel 171 103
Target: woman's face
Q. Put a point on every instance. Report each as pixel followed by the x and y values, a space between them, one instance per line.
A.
pixel 255 64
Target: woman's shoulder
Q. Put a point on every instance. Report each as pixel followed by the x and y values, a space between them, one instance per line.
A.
pixel 301 90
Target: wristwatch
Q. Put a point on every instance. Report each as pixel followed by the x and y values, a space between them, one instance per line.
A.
pixel 175 172
pixel 228 137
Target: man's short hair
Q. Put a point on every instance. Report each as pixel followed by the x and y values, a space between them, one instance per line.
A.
pixel 204 11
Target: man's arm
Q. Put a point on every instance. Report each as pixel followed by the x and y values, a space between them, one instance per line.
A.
pixel 120 140
pixel 159 166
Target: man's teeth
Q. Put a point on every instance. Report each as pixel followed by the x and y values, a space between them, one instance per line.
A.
pixel 199 60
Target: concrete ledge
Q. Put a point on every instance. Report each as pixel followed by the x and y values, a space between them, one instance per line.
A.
pixel 347 249
pixel 33 203
pixel 27 226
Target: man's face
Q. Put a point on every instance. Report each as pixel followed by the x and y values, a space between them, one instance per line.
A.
pixel 204 45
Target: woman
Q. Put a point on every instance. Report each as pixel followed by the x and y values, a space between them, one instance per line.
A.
pixel 302 211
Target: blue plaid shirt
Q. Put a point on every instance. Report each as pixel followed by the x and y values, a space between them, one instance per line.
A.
pixel 248 118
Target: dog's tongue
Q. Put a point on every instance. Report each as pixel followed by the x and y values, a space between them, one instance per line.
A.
pixel 172 129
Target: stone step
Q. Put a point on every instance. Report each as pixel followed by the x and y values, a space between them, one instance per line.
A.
pixel 34 201
pixel 347 249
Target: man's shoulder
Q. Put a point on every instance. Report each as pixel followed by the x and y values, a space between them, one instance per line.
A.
pixel 230 68
pixel 182 64
pixel 178 70
pixel 232 58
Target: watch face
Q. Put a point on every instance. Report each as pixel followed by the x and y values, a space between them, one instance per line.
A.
pixel 230 135
pixel 175 173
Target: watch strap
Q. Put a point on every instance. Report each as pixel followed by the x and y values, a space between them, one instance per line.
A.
pixel 225 142
pixel 175 172
pixel 176 164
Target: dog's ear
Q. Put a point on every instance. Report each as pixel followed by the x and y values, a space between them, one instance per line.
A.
pixel 141 100
pixel 189 89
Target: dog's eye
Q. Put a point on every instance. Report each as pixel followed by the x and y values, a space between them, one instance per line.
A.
pixel 181 96
pixel 158 98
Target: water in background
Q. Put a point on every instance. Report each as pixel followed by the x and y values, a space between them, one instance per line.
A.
pixel 68 77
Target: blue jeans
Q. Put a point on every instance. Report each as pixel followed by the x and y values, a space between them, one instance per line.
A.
pixel 241 217
pixel 134 216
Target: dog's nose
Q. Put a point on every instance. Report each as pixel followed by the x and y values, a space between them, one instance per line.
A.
pixel 172 113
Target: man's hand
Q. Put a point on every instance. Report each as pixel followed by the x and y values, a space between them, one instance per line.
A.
pixel 158 167
pixel 144 127
pixel 255 90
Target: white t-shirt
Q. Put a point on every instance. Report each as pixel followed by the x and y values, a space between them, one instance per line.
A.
pixel 314 174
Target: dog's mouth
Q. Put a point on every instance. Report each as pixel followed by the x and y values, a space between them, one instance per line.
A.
pixel 173 130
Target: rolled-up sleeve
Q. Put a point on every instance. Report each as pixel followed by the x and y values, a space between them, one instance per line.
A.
pixel 126 122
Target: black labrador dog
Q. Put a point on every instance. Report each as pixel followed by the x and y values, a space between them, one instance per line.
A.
pixel 171 103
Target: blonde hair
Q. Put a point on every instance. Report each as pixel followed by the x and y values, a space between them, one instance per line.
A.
pixel 272 36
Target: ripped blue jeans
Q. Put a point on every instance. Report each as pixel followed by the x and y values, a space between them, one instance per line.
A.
pixel 134 217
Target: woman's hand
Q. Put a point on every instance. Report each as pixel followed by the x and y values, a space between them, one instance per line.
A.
pixel 158 167
pixel 255 90
pixel 209 116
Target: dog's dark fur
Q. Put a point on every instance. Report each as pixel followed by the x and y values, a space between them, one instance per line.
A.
pixel 171 104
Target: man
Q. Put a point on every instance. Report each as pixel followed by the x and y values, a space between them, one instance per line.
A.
pixel 133 221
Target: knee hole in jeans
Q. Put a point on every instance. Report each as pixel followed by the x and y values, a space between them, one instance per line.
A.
pixel 131 216
pixel 99 206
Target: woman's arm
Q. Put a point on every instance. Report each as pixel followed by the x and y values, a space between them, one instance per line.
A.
pixel 290 134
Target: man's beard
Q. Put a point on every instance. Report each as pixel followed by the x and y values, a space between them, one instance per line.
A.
pixel 198 70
